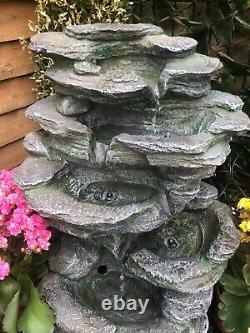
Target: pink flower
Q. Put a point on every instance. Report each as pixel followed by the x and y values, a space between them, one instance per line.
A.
pixel 37 239
pixel 3 242
pixel 18 220
pixel 4 269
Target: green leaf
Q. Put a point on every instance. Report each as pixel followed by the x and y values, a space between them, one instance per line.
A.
pixel 246 273
pixel 229 27
pixel 37 316
pixel 8 289
pixel 235 312
pixel 11 314
pixel 242 24
pixel 236 265
pixel 227 80
pixel 38 267
pixel 234 285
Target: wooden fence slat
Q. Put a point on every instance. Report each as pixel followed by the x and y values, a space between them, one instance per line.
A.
pixel 14 61
pixel 14 18
pixel 12 155
pixel 16 93
pixel 14 125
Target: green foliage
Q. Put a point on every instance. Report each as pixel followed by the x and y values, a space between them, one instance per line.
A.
pixel 246 271
pixel 11 314
pixel 212 329
pixel 234 306
pixel 37 316
pixel 8 288
pixel 234 311
pixel 21 308
pixel 55 15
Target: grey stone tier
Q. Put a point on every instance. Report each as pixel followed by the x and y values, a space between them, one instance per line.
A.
pixel 78 318
pixel 134 217
pixel 60 44
pixel 189 252
pixel 189 76
pixel 116 31
pixel 131 78
pixel 118 171
pixel 37 171
pixel 196 135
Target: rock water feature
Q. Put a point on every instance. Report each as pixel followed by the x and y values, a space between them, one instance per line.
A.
pixel 118 170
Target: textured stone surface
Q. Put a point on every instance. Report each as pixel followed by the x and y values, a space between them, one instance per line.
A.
pixel 77 318
pixel 182 185
pixel 193 144
pixel 136 217
pixel 63 135
pixel 189 76
pixel 216 155
pixel 121 155
pixel 84 176
pixel 34 144
pixel 73 259
pixel 185 307
pixel 229 122
pixel 84 67
pixel 166 46
pixel 227 240
pixel 206 195
pixel 70 106
pixel 77 150
pixel 128 137
pixel 213 100
pixel 59 44
pixel 148 137
pixel 36 171
pixel 109 31
pixel 71 317
pixel 220 99
pixel 44 113
pixel 183 275
pixel 193 237
pixel 118 244
pixel 114 84
pixel 101 286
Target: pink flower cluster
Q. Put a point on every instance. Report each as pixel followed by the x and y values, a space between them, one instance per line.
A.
pixel 18 220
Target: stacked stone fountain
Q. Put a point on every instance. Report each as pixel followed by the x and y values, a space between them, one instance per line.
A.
pixel 117 170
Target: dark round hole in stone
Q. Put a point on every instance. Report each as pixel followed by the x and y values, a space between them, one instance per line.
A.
pixel 103 269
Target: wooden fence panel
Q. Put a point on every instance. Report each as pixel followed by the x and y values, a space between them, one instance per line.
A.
pixel 14 126
pixel 14 60
pixel 16 93
pixel 14 19
pixel 12 155
pixel 16 87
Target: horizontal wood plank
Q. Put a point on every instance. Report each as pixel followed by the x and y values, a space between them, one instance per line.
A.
pixel 14 19
pixel 12 155
pixel 15 125
pixel 14 60
pixel 16 93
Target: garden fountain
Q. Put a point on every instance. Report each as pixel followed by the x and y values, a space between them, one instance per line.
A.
pixel 128 138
